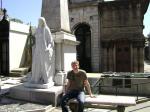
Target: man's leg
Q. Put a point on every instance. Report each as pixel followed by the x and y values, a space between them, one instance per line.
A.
pixel 66 98
pixel 81 100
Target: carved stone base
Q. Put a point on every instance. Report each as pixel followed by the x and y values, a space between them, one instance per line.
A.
pixel 59 78
pixel 44 96
pixel 40 86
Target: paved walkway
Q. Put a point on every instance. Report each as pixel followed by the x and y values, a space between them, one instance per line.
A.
pixel 12 105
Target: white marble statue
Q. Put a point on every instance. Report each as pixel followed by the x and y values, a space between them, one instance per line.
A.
pixel 43 63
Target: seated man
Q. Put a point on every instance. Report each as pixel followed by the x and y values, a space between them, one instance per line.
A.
pixel 77 80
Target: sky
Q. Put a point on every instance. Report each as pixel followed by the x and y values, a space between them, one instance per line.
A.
pixel 29 11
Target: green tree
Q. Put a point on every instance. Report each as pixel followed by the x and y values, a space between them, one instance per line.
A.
pixel 16 20
pixel 148 35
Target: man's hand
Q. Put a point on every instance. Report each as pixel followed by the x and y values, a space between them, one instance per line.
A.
pixel 63 94
pixel 92 96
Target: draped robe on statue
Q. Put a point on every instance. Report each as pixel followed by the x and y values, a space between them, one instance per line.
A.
pixel 43 55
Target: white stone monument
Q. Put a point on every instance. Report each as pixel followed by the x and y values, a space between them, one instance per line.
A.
pixel 57 16
pixel 43 62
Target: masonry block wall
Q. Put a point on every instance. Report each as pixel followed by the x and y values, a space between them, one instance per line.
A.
pixel 87 13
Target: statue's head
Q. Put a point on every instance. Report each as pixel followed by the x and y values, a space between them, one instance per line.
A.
pixel 42 22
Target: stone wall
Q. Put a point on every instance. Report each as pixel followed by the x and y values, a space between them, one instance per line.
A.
pixel 142 84
pixel 120 83
pixel 17 41
pixel 122 21
pixel 89 15
pixel 121 17
pixel 112 22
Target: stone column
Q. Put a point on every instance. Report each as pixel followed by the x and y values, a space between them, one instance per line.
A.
pixel 114 58
pixel 59 77
pixel 63 58
pixel 56 14
pixel 135 60
pixel 141 60
pixel 111 59
pixel 105 59
pixel 132 55
pixel 58 56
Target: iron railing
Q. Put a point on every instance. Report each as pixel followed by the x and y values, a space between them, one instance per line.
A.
pixel 98 84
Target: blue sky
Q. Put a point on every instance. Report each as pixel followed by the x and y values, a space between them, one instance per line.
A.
pixel 25 10
pixel 30 10
pixel 146 22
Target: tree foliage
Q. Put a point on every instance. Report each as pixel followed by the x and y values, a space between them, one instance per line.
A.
pixel 148 35
pixel 16 20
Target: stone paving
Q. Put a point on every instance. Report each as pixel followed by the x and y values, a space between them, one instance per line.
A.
pixel 8 104
pixel 12 105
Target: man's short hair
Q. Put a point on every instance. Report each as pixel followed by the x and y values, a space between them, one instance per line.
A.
pixel 75 62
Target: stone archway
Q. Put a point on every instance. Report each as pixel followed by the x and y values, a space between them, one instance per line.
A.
pixel 83 35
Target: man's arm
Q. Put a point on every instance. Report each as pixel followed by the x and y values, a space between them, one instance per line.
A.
pixel 66 86
pixel 88 87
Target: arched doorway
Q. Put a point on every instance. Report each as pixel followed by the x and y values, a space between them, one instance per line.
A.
pixel 83 35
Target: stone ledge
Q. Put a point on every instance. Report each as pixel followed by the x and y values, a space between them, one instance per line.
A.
pixel 44 96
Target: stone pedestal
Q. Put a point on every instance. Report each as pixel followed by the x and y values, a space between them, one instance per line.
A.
pixel 65 54
pixel 45 96
pixel 28 83
pixel 40 86
pixel 59 78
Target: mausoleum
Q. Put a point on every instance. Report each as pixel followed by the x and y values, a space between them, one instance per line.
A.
pixel 110 33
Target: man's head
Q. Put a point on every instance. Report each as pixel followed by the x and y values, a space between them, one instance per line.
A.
pixel 75 65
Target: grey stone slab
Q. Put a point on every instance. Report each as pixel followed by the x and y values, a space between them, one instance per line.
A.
pixel 44 96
